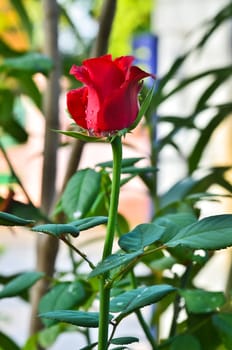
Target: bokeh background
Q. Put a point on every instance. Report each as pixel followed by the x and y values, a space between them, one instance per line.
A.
pixel 176 40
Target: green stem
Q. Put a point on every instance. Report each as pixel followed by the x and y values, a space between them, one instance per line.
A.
pixel 73 248
pixel 146 330
pixel 116 145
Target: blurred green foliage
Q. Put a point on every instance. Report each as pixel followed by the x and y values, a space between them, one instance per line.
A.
pixel 177 232
pixel 132 17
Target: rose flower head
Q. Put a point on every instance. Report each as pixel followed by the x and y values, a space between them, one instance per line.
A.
pixel 108 100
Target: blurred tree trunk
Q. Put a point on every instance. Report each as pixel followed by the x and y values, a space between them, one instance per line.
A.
pixel 47 246
pixel 106 21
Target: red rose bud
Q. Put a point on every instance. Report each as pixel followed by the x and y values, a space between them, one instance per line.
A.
pixel 108 101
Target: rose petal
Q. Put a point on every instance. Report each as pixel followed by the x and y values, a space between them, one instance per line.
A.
pixel 136 74
pixel 105 57
pixel 81 74
pixel 120 110
pixel 124 63
pixel 105 76
pixel 77 103
pixel 92 110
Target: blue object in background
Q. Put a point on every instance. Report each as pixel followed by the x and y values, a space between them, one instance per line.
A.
pixel 145 50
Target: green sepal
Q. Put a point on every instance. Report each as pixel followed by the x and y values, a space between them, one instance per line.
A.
pixel 144 107
pixel 81 136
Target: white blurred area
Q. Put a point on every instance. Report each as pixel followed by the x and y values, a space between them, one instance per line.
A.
pixel 176 22
pixel 178 25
